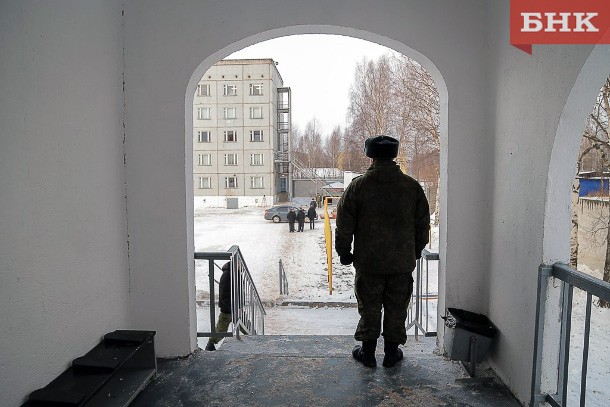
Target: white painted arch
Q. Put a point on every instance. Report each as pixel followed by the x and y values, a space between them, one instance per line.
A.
pixel 558 205
pixel 556 240
pixel 331 30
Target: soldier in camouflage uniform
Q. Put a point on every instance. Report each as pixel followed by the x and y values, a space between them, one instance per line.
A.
pixel 386 214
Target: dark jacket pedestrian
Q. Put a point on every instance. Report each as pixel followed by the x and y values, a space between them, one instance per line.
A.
pixel 224 303
pixel 301 219
pixel 386 214
pixel 313 203
pixel 291 216
pixel 311 214
pixel 224 289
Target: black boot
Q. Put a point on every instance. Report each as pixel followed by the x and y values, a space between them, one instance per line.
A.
pixel 365 354
pixel 393 354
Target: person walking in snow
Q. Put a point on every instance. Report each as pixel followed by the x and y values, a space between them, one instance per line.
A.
pixel 311 214
pixel 386 214
pixel 301 219
pixel 291 216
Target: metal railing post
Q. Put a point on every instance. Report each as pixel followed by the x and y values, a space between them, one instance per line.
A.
pixel 564 352
pixel 543 274
pixel 570 278
pixel 280 274
pixel 212 297
pixel 415 313
pixel 247 311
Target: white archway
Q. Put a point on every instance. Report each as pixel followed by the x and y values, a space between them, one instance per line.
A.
pixel 556 239
pixel 332 30
pixel 558 204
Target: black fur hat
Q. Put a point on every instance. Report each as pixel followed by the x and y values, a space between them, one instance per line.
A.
pixel 384 147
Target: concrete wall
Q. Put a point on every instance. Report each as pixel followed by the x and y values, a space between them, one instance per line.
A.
pixel 527 97
pixel 166 44
pixel 63 254
pixel 65 277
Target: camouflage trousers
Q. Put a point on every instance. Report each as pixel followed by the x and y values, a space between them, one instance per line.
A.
pixel 391 293
pixel 224 320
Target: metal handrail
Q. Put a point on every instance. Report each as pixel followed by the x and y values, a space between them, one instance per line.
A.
pixel 418 313
pixel 247 311
pixel 283 280
pixel 570 278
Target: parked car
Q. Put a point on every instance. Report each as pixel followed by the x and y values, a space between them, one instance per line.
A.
pixel 278 213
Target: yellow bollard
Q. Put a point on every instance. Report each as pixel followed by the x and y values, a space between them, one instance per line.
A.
pixel 328 234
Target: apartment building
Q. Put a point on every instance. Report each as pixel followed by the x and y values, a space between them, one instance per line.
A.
pixel 241 124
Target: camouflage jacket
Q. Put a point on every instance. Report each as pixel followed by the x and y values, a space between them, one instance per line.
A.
pixel 387 215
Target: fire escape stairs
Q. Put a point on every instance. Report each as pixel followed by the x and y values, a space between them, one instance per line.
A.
pixel 310 174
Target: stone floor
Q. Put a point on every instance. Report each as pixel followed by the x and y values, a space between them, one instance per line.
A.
pixel 315 371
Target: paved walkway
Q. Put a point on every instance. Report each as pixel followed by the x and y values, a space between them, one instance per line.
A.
pixel 314 371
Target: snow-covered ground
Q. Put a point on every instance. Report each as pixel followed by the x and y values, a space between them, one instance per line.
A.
pixel 263 244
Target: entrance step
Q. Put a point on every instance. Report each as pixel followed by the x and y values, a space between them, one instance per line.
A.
pixel 294 370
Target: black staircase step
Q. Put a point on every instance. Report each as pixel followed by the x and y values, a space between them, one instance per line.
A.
pixel 110 374
pixel 68 389
pixel 128 336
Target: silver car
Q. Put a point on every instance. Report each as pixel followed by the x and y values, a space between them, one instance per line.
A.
pixel 278 213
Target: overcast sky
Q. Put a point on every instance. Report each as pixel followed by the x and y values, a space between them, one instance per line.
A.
pixel 319 69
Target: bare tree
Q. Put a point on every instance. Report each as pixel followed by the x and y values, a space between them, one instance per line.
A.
pixel 312 144
pixel 370 95
pixel 595 148
pixel 332 148
pixel 396 96
pixel 371 110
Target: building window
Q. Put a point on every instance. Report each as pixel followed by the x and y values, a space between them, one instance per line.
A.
pixel 203 136
pixel 230 90
pixel 256 159
pixel 256 112
pixel 230 136
pixel 205 182
pixel 203 89
pixel 205 159
pixel 230 159
pixel 231 182
pixel 256 89
pixel 257 182
pixel 230 112
pixel 203 113
pixel 256 135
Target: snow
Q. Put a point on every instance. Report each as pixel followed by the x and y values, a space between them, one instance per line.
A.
pixel 263 243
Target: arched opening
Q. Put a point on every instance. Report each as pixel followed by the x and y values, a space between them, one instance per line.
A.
pixel 558 216
pixel 556 242
pixel 397 46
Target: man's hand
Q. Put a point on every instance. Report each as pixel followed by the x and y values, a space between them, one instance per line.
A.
pixel 346 258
